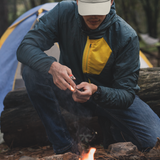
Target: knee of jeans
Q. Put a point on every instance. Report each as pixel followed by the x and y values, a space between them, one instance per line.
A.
pixel 151 141
pixel 121 136
pixel 147 140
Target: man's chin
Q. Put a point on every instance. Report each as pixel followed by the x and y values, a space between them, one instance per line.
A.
pixel 93 27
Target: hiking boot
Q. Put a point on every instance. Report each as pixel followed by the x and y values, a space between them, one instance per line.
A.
pixel 105 125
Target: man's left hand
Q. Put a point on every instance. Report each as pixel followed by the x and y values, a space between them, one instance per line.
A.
pixel 83 92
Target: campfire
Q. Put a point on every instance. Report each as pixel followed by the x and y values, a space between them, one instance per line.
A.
pixel 89 155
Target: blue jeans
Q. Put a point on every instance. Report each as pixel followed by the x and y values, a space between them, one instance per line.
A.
pixel 138 124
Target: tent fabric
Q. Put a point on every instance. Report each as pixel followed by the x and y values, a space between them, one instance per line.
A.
pixel 17 22
pixel 9 44
pixel 144 62
pixel 10 41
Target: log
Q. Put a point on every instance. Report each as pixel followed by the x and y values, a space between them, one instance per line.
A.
pixel 20 123
pixel 22 127
pixel 149 82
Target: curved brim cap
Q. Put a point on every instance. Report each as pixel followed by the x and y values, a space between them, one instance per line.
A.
pixel 94 7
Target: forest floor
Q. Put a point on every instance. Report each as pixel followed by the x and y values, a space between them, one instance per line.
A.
pixel 15 153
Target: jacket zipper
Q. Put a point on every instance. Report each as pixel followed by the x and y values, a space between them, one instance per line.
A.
pixel 87 56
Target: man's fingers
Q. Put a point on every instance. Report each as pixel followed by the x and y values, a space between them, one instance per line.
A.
pixel 83 92
pixel 68 77
pixel 69 85
pixel 70 81
pixel 61 86
pixel 61 78
pixel 72 77
pixel 81 85
pixel 61 83
pixel 79 100
pixel 79 97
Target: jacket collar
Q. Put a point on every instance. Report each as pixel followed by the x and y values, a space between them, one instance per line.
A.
pixel 100 31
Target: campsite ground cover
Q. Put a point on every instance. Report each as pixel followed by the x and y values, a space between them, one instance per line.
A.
pixel 33 151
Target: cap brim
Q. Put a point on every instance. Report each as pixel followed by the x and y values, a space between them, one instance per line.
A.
pixel 86 9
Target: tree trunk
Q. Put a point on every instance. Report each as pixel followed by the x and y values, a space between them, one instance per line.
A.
pixel 14 15
pixel 33 4
pixel 26 5
pixel 22 127
pixel 3 16
pixel 133 15
pixel 158 55
pixel 43 1
pixel 151 9
pixel 125 9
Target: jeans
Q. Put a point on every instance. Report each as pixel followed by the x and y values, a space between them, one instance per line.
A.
pixel 138 124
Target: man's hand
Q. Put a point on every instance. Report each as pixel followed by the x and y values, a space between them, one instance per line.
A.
pixel 83 92
pixel 60 74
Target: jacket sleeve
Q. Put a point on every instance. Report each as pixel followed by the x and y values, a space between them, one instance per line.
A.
pixel 125 77
pixel 41 38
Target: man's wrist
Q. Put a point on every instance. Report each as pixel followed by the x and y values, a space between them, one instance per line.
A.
pixel 53 65
pixel 94 88
pixel 97 94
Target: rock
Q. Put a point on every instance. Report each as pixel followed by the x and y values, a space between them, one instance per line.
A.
pixel 157 146
pixel 27 158
pixel 154 153
pixel 55 157
pixel 1 137
pixel 123 149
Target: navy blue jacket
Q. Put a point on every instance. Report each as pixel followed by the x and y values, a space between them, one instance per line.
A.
pixel 107 56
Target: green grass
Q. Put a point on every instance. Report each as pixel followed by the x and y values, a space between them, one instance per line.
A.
pixel 149 48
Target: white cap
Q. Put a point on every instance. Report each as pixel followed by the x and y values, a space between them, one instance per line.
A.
pixel 94 7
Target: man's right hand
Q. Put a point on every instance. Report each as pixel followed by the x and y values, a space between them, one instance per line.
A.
pixel 60 74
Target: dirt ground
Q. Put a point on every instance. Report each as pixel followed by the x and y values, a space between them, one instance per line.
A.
pixel 34 151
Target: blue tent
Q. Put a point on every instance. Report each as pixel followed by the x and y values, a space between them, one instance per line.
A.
pixel 9 43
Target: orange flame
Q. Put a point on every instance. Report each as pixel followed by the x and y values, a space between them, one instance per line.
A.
pixel 89 155
pixel 72 89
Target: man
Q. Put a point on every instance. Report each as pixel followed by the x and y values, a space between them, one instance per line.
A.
pixel 101 51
